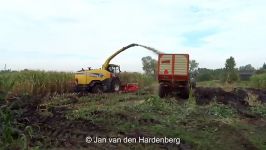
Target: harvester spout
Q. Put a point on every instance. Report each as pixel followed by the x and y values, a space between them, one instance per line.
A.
pixel 106 64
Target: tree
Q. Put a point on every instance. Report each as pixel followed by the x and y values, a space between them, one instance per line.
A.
pixel 246 68
pixel 230 71
pixel 262 69
pixel 193 66
pixel 149 65
pixel 264 66
pixel 230 64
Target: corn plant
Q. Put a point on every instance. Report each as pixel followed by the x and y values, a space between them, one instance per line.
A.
pixel 34 83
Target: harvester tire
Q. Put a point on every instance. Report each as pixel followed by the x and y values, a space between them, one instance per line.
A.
pixel 77 89
pixel 97 88
pixel 115 85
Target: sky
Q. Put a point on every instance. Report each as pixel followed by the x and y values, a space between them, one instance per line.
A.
pixel 67 35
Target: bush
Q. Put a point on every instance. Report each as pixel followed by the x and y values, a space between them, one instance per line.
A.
pixel 258 81
pixel 204 77
pixel 230 77
pixel 209 74
pixel 261 71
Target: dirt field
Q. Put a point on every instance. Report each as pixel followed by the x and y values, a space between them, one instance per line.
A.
pixel 211 119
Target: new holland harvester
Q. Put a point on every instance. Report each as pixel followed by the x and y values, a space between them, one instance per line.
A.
pixel 105 79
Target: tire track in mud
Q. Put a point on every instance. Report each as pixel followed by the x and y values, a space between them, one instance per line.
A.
pixel 58 131
pixel 237 97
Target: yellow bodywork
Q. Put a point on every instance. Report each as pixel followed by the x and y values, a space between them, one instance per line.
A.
pixel 85 77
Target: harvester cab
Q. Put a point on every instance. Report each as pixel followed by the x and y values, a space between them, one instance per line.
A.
pixel 114 69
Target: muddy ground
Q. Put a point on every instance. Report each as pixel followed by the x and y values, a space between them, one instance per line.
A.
pixel 52 128
pixel 237 97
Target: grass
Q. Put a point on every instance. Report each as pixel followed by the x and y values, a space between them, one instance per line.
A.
pixel 220 111
pixel 225 86
pixel 256 81
pixel 259 110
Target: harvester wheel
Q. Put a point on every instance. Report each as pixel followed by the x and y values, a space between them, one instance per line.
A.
pixel 115 85
pixel 97 88
pixel 77 89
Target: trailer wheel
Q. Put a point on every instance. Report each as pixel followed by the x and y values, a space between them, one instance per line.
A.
pixel 162 91
pixel 115 85
pixel 97 88
pixel 185 91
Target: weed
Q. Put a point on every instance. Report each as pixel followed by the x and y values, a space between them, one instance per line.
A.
pixel 6 118
pixel 221 111
pixel 259 109
pixel 8 137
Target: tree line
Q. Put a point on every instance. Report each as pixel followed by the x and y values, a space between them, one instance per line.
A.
pixel 229 73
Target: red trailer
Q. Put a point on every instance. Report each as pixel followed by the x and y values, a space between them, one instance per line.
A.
pixel 173 74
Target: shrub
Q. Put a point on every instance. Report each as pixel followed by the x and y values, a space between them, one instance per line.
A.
pixel 230 77
pixel 204 77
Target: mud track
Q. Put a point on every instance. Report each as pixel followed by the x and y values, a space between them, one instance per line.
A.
pixel 238 97
pixel 56 131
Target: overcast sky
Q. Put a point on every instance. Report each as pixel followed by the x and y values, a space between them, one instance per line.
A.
pixel 66 35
